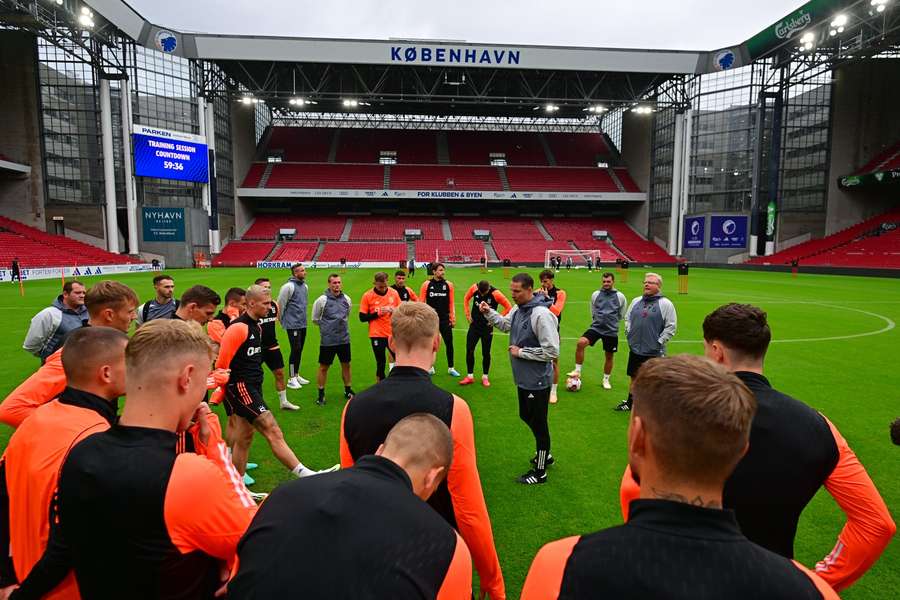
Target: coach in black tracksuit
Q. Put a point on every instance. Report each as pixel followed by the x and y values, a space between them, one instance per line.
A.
pixel 479 329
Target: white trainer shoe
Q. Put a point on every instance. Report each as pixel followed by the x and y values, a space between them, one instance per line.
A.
pixel 289 406
pixel 606 384
pixel 293 383
pixel 302 380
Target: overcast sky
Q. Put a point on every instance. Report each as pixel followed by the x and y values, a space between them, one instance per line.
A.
pixel 674 24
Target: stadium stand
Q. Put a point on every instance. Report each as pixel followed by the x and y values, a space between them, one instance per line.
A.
pixel 295 252
pixel 607 252
pixel 877 251
pixel 36 248
pixel 301 144
pixel 829 244
pixel 501 228
pixel 440 177
pixel 254 175
pixel 335 251
pixel 628 243
pixel 627 182
pixel 326 176
pixel 309 227
pixel 366 145
pixel 392 228
pixel 475 147
pixel 519 250
pixel 884 161
pixel 466 251
pixel 559 179
pixel 242 254
pixel 577 149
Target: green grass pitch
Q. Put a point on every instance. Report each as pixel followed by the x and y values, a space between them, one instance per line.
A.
pixel 835 347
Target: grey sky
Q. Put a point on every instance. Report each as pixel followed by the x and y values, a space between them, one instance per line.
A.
pixel 671 24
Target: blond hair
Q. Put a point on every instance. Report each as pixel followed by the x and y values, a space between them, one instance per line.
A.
pixel 697 415
pixel 414 324
pixel 109 294
pixel 656 275
pixel 158 343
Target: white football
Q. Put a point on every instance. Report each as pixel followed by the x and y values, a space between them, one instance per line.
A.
pixel 573 384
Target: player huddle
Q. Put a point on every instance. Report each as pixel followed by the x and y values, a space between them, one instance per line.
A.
pixel 149 501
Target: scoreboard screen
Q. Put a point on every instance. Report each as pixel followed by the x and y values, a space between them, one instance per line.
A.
pixel 168 154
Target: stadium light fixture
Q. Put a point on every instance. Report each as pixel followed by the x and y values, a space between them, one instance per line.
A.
pixel 879 5
pixel 350 103
pixel 642 110
pixel 297 102
pixel 550 108
pixel 596 109
pixel 59 2
pixel 247 100
pixel 807 38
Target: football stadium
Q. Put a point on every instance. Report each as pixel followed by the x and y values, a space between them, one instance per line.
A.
pixel 503 246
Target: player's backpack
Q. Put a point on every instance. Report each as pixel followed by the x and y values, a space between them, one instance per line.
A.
pixel 145 312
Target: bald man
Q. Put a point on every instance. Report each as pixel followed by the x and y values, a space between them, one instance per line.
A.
pixel 241 353
pixel 364 532
pixel 168 524
pixel 93 360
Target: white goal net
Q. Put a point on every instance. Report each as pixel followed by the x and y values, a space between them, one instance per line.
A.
pixel 572 258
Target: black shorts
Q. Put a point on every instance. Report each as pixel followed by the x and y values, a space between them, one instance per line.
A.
pixel 635 361
pixel 245 400
pixel 327 354
pixel 610 342
pixel 379 344
pixel 273 358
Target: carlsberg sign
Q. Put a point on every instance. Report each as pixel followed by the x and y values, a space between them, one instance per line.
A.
pixel 792 25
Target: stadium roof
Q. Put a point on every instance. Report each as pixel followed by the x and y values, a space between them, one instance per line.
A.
pixel 461 78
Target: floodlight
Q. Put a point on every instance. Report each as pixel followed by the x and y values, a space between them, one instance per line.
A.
pixel 297 101
pixel 880 8
pixel 808 46
pixel 551 107
pixel 254 100
pixel 85 10
pixel 808 37
pixel 247 100
pixel 839 21
pixel 85 21
pixel 59 2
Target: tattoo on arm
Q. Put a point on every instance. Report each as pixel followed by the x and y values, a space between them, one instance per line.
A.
pixel 696 501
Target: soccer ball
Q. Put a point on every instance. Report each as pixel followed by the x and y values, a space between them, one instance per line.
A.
pixel 573 384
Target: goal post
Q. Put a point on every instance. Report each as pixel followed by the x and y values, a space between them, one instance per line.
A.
pixel 579 257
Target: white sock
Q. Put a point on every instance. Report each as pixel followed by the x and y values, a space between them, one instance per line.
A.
pixel 282 396
pixel 553 388
pixel 483 376
pixel 578 368
pixel 390 367
pixel 606 377
pixel 470 375
pixel 301 471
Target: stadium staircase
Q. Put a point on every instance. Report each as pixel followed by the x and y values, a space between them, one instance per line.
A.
pixel 614 176
pixel 542 229
pixel 551 160
pixel 319 249
pixel 275 250
pixel 387 177
pixel 264 179
pixel 443 151
pixel 335 144
pixel 504 180
pixel 491 253
pixel 348 229
pixel 445 229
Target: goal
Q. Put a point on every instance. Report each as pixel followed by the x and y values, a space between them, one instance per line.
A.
pixel 579 257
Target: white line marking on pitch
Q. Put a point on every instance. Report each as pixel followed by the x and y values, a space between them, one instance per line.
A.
pixel 889 325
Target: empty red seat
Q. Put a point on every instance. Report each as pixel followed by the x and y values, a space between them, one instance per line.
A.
pixel 510 228
pixel 393 228
pixel 577 149
pixel 366 145
pixel 296 252
pixel 444 177
pixel 308 227
pixel 242 254
pixel 560 179
pixel 461 250
pixel 361 252
pixel 36 248
pixel 326 176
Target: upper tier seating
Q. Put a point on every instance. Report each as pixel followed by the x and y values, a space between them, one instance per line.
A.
pixel 302 144
pixel 877 251
pixel 577 149
pixel 326 176
pixel 392 228
pixel 475 147
pixel 254 175
pixel 627 182
pixel 365 145
pixel 884 161
pixel 242 254
pixel 444 177
pixel 569 179
pixel 36 248
pixel 308 227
